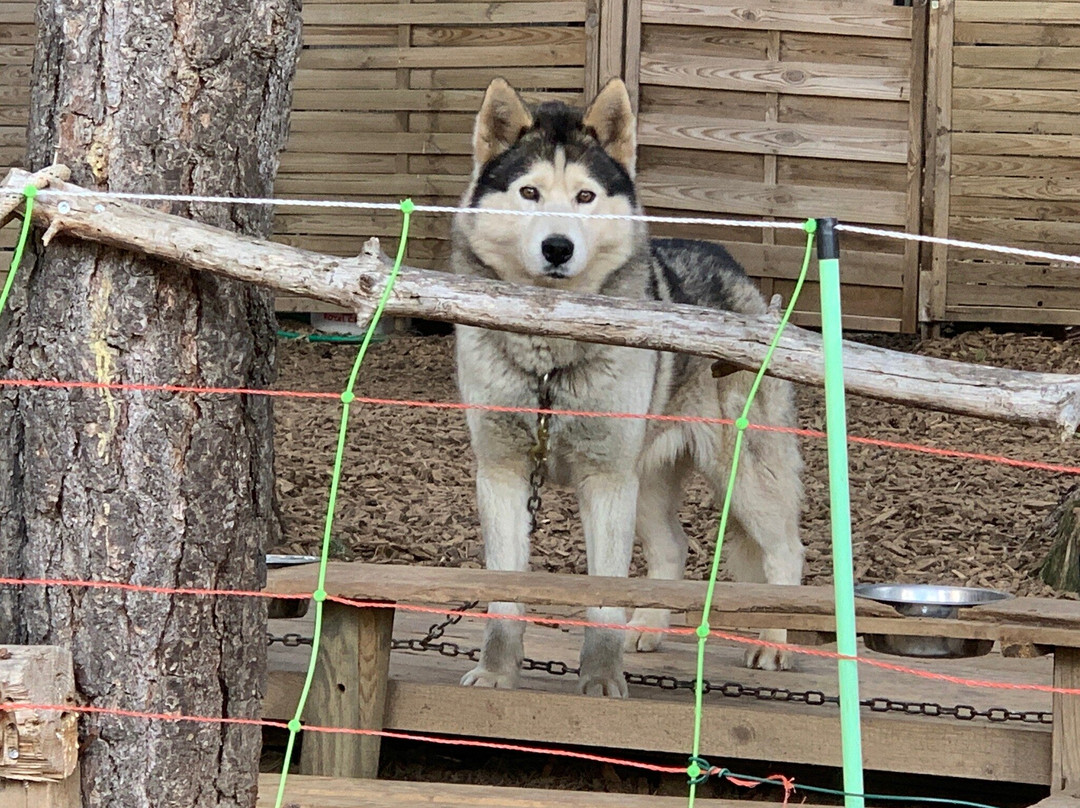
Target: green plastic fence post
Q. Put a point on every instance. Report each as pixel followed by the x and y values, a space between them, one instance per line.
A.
pixel 840 510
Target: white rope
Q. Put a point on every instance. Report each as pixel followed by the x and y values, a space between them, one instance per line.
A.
pixel 951 242
pixel 714 222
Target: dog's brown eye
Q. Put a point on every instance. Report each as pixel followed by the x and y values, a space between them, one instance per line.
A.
pixel 585 197
pixel 530 193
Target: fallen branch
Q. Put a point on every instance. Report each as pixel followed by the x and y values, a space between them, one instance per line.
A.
pixel 1045 399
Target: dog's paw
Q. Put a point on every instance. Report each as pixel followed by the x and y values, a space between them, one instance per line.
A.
pixel 482 677
pixel 613 686
pixel 769 659
pixel 647 641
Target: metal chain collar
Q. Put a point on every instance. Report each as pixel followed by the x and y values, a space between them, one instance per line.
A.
pixel 731 690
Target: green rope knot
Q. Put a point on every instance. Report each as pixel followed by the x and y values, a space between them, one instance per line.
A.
pixel 702 631
pixel 407 206
pixel 295 725
pixel 742 423
pixel 810 226
pixel 698 770
pixel 30 191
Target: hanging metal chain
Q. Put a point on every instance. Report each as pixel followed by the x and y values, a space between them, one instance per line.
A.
pixel 435 632
pixel 539 452
pixel 290 640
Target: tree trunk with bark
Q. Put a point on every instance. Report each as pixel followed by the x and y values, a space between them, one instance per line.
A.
pixel 154 96
pixel 1062 566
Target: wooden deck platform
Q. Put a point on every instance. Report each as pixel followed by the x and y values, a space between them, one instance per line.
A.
pixel 421 693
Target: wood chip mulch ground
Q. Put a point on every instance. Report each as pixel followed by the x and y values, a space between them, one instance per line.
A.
pixel 407 491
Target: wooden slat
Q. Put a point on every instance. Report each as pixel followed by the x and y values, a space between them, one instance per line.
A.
pixel 1016 57
pixel 461 57
pixel 1017 32
pixel 803 78
pixel 743 605
pixel 808 140
pixel 329 792
pixel 1013 78
pixel 1010 11
pixel 999 207
pixel 969 165
pixel 522 78
pixel 444 36
pixel 1043 123
pixel 1012 314
pixel 729 730
pixel 689 192
pixel 442 13
pixel 1016 144
pixel 1015 275
pixel 1013 296
pixel 1015 100
pixel 871 19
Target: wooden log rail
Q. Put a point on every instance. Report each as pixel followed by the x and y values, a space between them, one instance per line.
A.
pixel 357 693
pixel 1045 399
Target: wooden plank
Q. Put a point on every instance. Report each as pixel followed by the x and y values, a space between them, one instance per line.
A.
pixel 689 192
pixel 1020 275
pixel 1017 57
pixel 917 177
pixel 1043 123
pixel 612 36
pixel 816 47
pixel 1013 296
pixel 876 19
pixel 632 67
pixel 1054 236
pixel 1014 100
pixel 366 143
pixel 1016 32
pixel 591 56
pixel 1026 145
pixel 23 794
pixel 443 13
pixel 521 78
pixel 37 744
pixel 327 792
pixel 1008 208
pixel 444 36
pixel 1065 773
pixel 730 730
pixel 743 605
pixel 1013 78
pixel 688 40
pixel 1009 11
pixel 807 140
pixel 804 78
pixel 16 12
pixel 1012 314
pixel 459 57
pixel 970 165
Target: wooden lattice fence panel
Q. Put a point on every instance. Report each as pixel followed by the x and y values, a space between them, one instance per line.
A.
pixel 1007 160
pixel 386 93
pixel 776 109
pixel 17 37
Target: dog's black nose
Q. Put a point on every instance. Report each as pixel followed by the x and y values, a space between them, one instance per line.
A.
pixel 557 249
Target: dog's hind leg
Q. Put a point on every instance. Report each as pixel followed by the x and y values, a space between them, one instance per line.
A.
pixel 502 495
pixel 607 503
pixel 663 543
pixel 766 546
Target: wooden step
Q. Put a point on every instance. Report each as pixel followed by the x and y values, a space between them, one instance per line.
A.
pixel 339 792
pixel 1034 621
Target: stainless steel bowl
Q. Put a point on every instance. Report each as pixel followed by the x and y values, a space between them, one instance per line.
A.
pixel 928 600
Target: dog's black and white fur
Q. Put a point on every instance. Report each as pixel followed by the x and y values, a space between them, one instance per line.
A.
pixel 628 474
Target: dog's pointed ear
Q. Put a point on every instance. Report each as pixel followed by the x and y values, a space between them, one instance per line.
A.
pixel 502 119
pixel 611 117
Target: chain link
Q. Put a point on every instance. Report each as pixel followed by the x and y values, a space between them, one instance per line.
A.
pixel 539 451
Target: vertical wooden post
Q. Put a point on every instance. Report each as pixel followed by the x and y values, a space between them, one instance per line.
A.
pixel 349 690
pixel 632 52
pixel 612 37
pixel 1065 757
pixel 38 748
pixel 935 295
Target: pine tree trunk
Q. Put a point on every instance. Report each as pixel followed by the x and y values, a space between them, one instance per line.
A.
pixel 1062 566
pixel 170 490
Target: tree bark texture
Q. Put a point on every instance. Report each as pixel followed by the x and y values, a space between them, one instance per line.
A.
pixel 160 96
pixel 1061 569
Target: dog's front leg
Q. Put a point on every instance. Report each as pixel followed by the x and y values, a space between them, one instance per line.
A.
pixel 608 503
pixel 502 495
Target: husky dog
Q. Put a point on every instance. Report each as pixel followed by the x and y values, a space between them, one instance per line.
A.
pixel 628 473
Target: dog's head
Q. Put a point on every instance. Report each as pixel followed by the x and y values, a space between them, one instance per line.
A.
pixel 553 160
